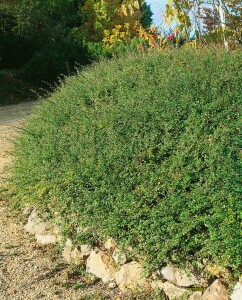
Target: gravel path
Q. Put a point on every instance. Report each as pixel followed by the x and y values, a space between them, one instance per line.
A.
pixel 27 270
pixel 11 119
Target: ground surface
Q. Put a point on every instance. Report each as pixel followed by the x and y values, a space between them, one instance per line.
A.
pixel 11 119
pixel 27 270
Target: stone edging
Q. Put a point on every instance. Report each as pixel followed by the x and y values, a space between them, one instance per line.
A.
pixel 111 266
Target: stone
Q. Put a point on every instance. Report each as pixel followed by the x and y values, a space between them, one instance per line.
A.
pixel 35 225
pixel 86 250
pixel 157 284
pixel 130 276
pixel 67 250
pixel 169 273
pixel 119 257
pixel 76 256
pixel 172 291
pixel 45 232
pixel 179 277
pixel 185 279
pixel 216 291
pixel 101 265
pixel 72 255
pixel 237 292
pixel 46 239
pixel 110 244
pixel 112 285
pixel 196 296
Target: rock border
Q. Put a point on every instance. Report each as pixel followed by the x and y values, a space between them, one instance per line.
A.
pixel 110 264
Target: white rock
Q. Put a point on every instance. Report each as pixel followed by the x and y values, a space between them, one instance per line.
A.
pixel 56 229
pixel 45 232
pixel 69 243
pixel 168 273
pixel 67 250
pixel 46 239
pixel 76 256
pixel 172 291
pixel 35 225
pixel 110 244
pixel 130 276
pixel 72 255
pixel 119 257
pixel 101 265
pixel 196 296
pixel 216 291
pixel 86 250
pixel 185 279
pixel 112 285
pixel 178 276
pixel 237 292
pixel 157 284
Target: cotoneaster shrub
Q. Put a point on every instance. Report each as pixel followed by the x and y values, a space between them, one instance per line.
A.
pixel 145 149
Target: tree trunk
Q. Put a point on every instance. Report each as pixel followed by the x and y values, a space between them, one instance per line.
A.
pixel 222 22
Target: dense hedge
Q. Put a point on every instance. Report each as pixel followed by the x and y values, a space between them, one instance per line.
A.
pixel 144 149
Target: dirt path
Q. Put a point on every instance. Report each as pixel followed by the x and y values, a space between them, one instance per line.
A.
pixel 11 119
pixel 27 270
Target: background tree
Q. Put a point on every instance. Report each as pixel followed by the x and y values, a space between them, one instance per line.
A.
pixel 146 18
pixel 41 32
pixel 217 20
pixel 53 35
pixel 114 22
pixel 234 21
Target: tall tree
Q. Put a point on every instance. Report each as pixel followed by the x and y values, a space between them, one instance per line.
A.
pixel 146 19
pixel 210 19
pixel 221 16
pixel 221 6
pixel 178 12
pixel 234 20
pixel 114 22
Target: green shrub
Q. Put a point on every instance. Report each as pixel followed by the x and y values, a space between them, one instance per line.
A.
pixel 14 50
pixel 54 59
pixel 14 90
pixel 144 149
pixel 36 39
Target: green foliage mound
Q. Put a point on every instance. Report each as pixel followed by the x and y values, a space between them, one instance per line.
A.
pixel 144 149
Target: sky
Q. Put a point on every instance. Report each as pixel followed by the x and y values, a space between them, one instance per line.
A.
pixel 157 6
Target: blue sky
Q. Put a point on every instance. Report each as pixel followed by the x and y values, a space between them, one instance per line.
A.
pixel 157 6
